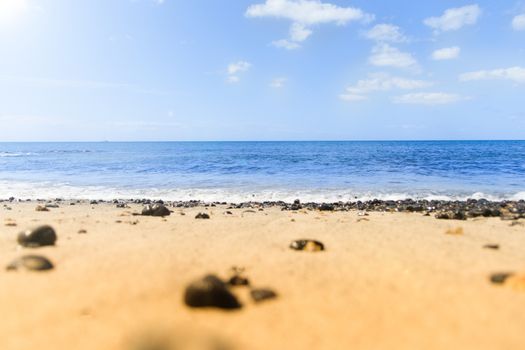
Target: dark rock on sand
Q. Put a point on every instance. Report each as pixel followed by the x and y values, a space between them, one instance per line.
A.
pixel 202 216
pixel 261 294
pixel 156 210
pixel 210 291
pixel 491 246
pixel 38 237
pixel 31 263
pixel 307 245
pixel 238 280
pixel 41 208
pixel 326 207
pixel 500 277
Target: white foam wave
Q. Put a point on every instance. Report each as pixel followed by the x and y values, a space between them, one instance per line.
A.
pixel 43 190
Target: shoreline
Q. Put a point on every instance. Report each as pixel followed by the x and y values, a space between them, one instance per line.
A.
pixel 441 209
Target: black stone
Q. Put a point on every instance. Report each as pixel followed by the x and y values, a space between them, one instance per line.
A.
pixel 156 210
pixel 238 281
pixel 210 291
pixel 500 278
pixel 38 237
pixel 202 216
pixel 31 263
pixel 326 207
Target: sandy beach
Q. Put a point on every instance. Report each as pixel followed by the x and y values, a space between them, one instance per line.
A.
pixel 385 280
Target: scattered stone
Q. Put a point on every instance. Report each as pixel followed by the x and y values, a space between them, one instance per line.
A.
pixel 52 205
pixel 455 231
pixel 238 280
pixel 452 215
pixel 202 216
pixel 82 231
pixel 38 237
pixel 10 222
pixel 500 277
pixel 31 263
pixel 41 208
pixel 262 294
pixel 156 210
pixel 210 291
pixel 307 245
pixel 326 207
pixel 491 246
pixel 228 212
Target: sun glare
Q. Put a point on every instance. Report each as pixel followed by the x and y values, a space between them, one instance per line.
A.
pixel 10 10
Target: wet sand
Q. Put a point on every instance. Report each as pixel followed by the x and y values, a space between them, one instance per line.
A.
pixel 385 281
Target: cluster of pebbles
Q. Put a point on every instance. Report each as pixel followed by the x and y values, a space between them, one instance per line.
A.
pixel 453 210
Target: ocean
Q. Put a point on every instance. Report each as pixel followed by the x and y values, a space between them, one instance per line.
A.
pixel 259 171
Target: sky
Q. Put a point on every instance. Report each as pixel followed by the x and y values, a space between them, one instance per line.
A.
pixel 181 70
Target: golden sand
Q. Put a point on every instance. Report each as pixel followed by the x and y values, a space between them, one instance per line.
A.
pixel 395 281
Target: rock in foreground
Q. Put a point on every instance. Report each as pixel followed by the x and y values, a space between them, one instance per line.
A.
pixel 31 263
pixel 37 237
pixel 210 291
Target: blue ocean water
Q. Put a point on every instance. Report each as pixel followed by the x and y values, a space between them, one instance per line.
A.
pixel 239 171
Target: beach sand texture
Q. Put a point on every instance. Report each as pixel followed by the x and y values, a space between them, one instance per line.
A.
pixel 385 281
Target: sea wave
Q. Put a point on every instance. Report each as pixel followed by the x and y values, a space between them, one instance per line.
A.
pixel 47 190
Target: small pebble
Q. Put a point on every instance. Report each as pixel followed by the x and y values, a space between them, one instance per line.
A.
pixel 307 245
pixel 202 216
pixel 31 263
pixel 261 294
pixel 238 280
pixel 82 231
pixel 41 208
pixel 38 237
pixel 500 277
pixel 491 246
pixel 210 291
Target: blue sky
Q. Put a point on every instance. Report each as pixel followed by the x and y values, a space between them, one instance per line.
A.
pixel 261 70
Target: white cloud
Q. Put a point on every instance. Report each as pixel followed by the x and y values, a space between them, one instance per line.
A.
pixel 454 18
pixel 446 53
pixel 515 74
pixel 278 83
pixel 303 14
pixel 381 82
pixel 240 66
pixel 235 68
pixel 428 98
pixel 385 55
pixel 518 22
pixel 299 32
pixel 10 10
pixel 286 44
pixel 386 32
